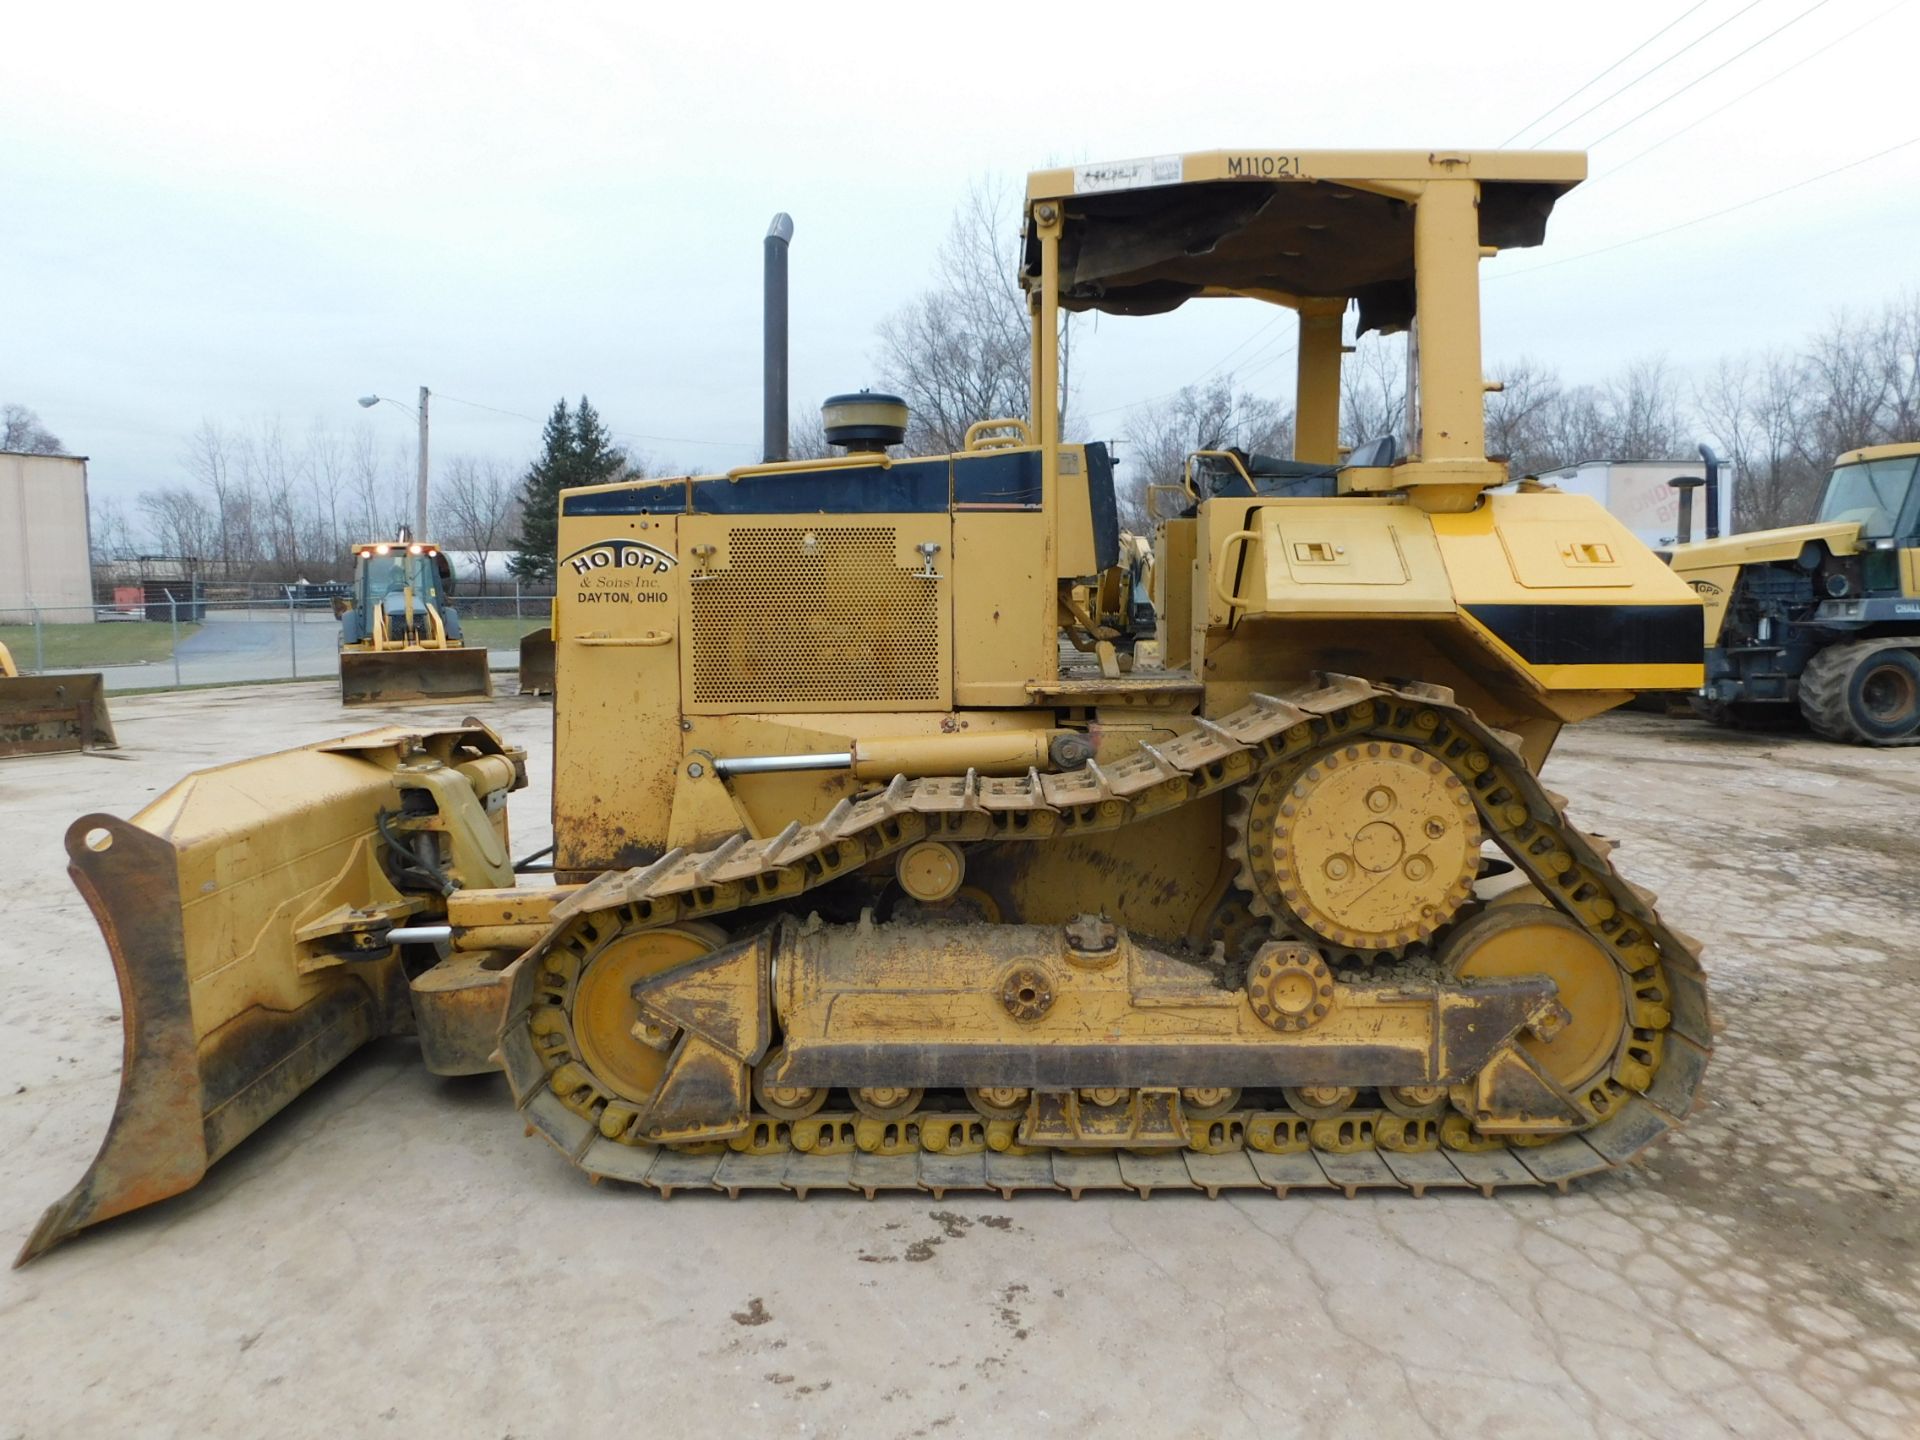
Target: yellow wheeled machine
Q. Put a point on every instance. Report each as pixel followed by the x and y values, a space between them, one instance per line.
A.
pixel 47 714
pixel 400 636
pixel 860 887
pixel 1819 624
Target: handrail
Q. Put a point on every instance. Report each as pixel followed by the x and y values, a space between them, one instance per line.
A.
pixel 1232 459
pixel 825 462
pixel 978 429
pixel 1228 546
pixel 645 638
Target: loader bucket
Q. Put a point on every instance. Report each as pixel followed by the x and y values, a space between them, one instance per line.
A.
pixel 43 714
pixel 375 677
pixel 228 906
pixel 536 662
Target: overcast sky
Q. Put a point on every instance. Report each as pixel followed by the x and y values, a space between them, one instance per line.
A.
pixel 267 210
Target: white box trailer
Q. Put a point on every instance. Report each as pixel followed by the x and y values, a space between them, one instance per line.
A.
pixel 1636 492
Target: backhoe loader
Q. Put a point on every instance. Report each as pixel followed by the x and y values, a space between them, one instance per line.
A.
pixel 400 635
pixel 858 887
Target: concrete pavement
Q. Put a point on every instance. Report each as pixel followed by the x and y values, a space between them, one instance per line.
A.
pixel 391 1256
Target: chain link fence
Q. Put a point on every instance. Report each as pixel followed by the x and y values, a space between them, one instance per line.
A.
pixel 174 639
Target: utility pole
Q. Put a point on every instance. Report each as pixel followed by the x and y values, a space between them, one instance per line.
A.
pixel 420 507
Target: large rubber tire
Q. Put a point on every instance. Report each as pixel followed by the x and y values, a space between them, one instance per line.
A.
pixel 1865 693
pixel 1762 716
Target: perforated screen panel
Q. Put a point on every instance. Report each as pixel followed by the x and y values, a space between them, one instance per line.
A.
pixel 814 616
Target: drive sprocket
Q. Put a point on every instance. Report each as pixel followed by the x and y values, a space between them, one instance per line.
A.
pixel 1371 846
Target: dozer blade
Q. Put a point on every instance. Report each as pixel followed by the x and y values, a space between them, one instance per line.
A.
pixel 536 662
pixel 374 677
pixel 44 714
pixel 236 909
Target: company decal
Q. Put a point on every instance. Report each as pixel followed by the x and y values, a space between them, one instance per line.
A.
pixel 1126 174
pixel 1705 587
pixel 1905 607
pixel 619 572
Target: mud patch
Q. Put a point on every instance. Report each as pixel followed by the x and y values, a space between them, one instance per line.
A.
pixel 756 1313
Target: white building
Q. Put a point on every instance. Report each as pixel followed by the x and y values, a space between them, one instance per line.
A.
pixel 44 541
pixel 1636 492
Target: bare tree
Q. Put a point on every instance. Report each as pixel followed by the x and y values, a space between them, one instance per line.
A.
pixel 1846 387
pixel 1899 354
pixel 1219 416
pixel 807 435
pixel 267 473
pixel 210 461
pixel 22 433
pixel 478 499
pixel 323 465
pixel 109 529
pixel 380 507
pixel 1373 390
pixel 1754 410
pixel 640 464
pixel 1642 412
pixel 959 352
pixel 1517 415
pixel 180 522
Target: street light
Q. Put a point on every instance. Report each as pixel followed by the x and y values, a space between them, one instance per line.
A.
pixel 367 402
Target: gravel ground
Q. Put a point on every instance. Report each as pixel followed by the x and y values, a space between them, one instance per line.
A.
pixel 391 1256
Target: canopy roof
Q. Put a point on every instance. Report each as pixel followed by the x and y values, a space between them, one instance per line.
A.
pixel 1144 236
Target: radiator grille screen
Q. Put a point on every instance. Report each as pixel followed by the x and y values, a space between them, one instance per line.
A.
pixel 804 617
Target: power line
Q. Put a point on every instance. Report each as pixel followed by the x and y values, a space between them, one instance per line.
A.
pixel 1572 94
pixel 475 404
pixel 1713 215
pixel 1635 120
pixel 624 434
pixel 1715 30
pixel 1777 75
pixel 1198 379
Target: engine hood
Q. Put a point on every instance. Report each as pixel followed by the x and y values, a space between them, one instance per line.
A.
pixel 1842 537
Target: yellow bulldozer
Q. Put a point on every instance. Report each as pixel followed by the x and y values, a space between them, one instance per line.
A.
pixel 400 636
pixel 47 714
pixel 857 886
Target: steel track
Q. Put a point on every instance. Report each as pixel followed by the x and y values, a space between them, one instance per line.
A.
pixel 1649 1092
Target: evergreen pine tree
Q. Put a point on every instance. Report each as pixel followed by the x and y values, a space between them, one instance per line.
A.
pixel 535 547
pixel 596 458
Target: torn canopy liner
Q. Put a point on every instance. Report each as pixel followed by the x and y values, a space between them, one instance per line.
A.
pixel 1147 251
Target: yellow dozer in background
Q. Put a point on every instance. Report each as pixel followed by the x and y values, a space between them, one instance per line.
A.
pixel 857 886
pixel 400 635
pixel 46 714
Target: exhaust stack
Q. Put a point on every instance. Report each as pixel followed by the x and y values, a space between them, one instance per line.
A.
pixel 1712 460
pixel 773 382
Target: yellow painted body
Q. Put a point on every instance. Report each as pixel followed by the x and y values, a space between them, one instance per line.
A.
pixel 1712 566
pixel 829 813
